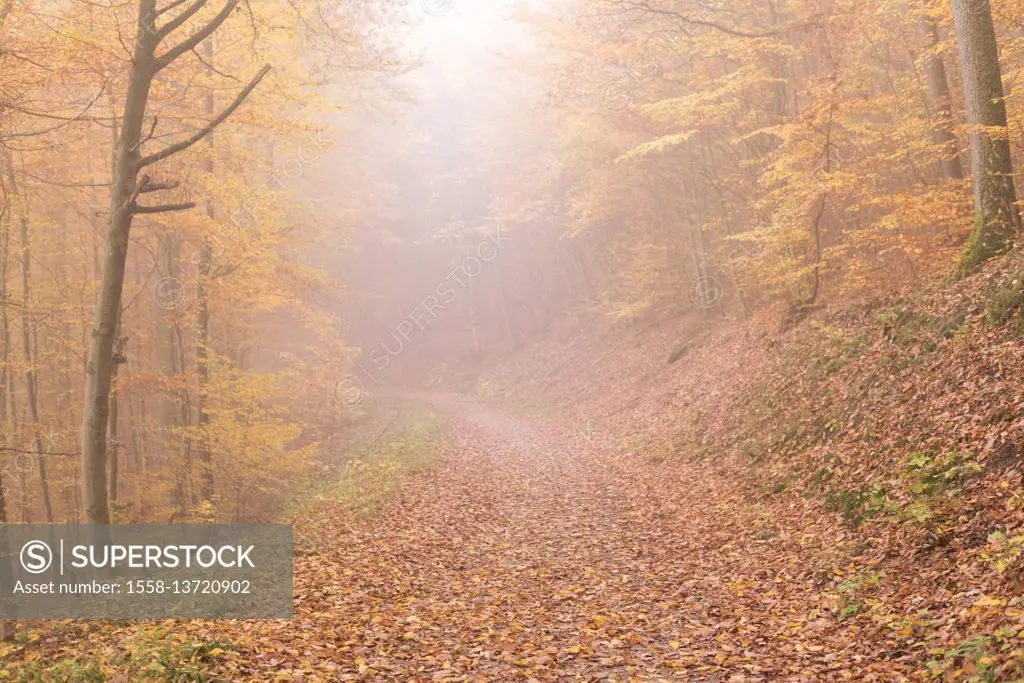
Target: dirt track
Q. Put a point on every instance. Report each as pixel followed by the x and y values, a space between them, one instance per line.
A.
pixel 534 553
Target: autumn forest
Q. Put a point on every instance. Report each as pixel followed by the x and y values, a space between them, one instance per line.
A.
pixel 574 339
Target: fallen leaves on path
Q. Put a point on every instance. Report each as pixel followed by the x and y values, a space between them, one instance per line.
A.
pixel 528 554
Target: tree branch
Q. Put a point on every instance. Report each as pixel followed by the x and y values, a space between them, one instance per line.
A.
pixel 169 7
pixel 177 21
pixel 645 7
pixel 199 36
pixel 208 128
pixel 148 185
pixel 20 451
pixel 163 208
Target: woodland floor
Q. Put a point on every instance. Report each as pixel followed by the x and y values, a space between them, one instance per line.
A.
pixel 534 551
pixel 530 552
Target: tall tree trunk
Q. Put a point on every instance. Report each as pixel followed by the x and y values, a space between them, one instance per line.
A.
pixel 113 483
pixel 941 106
pixel 203 339
pixel 124 190
pixel 114 408
pixel 777 65
pixel 474 319
pixel 5 371
pixel 203 371
pixel 136 416
pixel 26 343
pixel 510 337
pixel 997 219
pixel 99 367
pixel 174 411
pixel 184 420
pixel 10 424
pixel 31 379
pixel 166 323
pixel 6 626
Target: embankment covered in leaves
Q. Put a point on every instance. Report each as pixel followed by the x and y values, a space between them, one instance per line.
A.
pixel 884 439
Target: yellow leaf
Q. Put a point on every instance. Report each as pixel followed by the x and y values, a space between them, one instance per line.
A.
pixel 674 644
pixel 986 601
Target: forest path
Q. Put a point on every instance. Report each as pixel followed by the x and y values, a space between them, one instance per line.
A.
pixel 529 552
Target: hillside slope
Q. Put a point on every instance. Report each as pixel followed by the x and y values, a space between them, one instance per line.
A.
pixel 885 438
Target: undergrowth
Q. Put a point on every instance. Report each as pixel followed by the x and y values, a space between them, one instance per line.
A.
pixel 147 652
pixel 368 469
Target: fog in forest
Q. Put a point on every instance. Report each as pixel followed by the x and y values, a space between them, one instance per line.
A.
pixel 543 339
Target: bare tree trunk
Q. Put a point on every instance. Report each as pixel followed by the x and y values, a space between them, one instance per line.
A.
pixel 10 425
pixel 12 412
pixel 136 421
pixel 31 380
pixel 777 65
pixel 206 482
pixel 166 323
pixel 6 626
pixel 997 219
pixel 26 344
pixel 101 365
pixel 3 494
pixel 44 481
pixel 704 290
pixel 175 417
pixel 5 371
pixel 184 420
pixel 114 465
pixel 510 337
pixel 99 368
pixel 112 483
pixel 941 105
pixel 816 233
pixel 114 408
pixel 137 409
pixel 474 321
pixel 203 265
